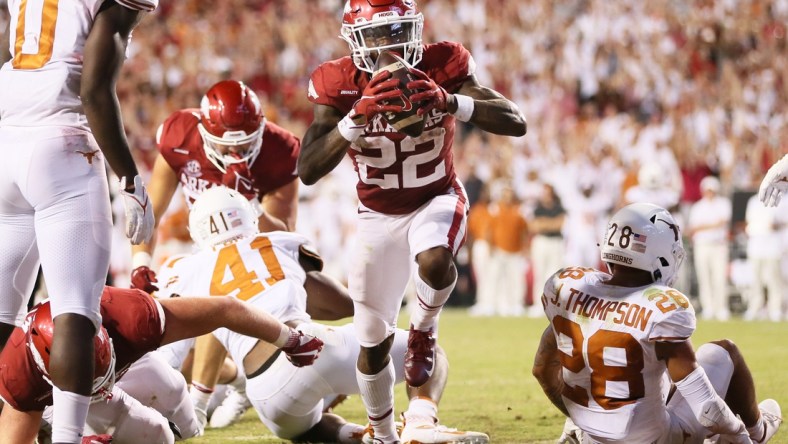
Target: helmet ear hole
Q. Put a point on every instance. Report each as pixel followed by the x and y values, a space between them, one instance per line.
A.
pixel 663 261
pixel 657 275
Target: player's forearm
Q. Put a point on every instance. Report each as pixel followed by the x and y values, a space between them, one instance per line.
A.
pixel 552 385
pixel 103 112
pixel 321 156
pixel 498 116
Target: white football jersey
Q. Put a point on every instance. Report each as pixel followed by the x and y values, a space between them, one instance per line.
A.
pixel 41 82
pixel 262 270
pixel 615 386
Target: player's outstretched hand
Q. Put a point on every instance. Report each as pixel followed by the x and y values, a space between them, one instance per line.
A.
pixel 139 212
pixel 775 183
pixel 571 434
pixel 430 94
pixel 302 349
pixel 143 278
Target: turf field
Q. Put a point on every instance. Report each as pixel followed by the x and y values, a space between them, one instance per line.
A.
pixel 491 388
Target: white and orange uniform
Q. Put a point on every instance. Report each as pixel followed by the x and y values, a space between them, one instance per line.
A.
pixel 264 270
pixel 54 198
pixel 616 388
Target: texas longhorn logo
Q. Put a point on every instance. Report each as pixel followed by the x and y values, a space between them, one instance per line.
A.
pixel 89 155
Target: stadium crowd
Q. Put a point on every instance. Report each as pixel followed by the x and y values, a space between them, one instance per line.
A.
pixel 626 100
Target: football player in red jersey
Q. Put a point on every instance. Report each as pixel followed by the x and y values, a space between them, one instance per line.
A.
pixel 413 208
pixel 59 122
pixel 227 141
pixel 133 324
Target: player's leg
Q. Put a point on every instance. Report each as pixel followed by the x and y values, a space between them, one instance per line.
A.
pixel 377 284
pixel 73 224
pixel 19 261
pixel 762 420
pixel 289 401
pixel 209 357
pixel 421 417
pixel 436 233
pixel 155 384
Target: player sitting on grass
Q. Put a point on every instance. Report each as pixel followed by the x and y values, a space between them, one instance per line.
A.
pixel 614 337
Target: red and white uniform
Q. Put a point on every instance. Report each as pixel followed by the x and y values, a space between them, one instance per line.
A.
pixel 181 146
pixel 134 322
pixel 616 387
pixel 54 198
pixel 411 199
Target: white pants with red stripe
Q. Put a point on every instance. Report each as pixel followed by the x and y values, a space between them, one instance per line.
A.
pixel 385 257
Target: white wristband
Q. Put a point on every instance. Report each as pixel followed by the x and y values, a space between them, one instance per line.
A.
pixel 349 129
pixel 284 336
pixel 465 105
pixel 141 259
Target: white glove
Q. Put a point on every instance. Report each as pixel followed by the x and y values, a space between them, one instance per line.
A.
pixel 571 434
pixel 775 183
pixel 139 213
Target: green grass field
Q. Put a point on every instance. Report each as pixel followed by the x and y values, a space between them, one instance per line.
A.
pixel 491 388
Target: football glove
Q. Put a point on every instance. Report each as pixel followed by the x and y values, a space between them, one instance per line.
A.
pixel 775 183
pixel 432 95
pixel 571 434
pixel 139 213
pixel 143 278
pixel 373 99
pixel 302 349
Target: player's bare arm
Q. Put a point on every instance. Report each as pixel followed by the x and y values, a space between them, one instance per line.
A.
pixel 4 41
pixel 281 204
pixel 323 146
pixel 492 112
pixel 105 50
pixel 547 369
pixel 19 427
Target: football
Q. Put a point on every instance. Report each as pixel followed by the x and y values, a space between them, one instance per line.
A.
pixel 408 121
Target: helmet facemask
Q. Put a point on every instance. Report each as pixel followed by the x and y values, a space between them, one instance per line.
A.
pixel 386 31
pixel 232 147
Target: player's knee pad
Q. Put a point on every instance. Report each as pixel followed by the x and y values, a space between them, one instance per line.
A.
pixel 718 364
pixel 370 329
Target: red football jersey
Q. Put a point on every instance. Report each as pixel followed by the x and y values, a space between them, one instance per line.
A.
pixel 132 321
pixel 181 146
pixel 398 174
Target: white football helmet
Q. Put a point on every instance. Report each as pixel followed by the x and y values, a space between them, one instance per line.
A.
pixel 646 237
pixel 221 215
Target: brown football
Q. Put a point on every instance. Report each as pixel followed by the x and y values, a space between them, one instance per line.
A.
pixel 408 121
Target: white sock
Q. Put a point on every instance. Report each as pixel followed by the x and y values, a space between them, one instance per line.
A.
pixel 348 433
pixel 756 432
pixel 421 409
pixel 200 396
pixel 239 383
pixel 68 416
pixel 430 303
pixel 377 392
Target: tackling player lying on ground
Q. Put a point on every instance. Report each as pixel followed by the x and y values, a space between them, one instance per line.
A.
pixel 614 337
pixel 133 324
pixel 276 272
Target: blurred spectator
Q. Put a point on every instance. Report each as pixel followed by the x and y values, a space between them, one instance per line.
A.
pixel 508 236
pixel 586 214
pixel 547 243
pixel 708 225
pixel 764 249
pixel 479 219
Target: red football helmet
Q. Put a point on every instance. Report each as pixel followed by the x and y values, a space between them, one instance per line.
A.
pixel 231 124
pixel 39 332
pixel 371 26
